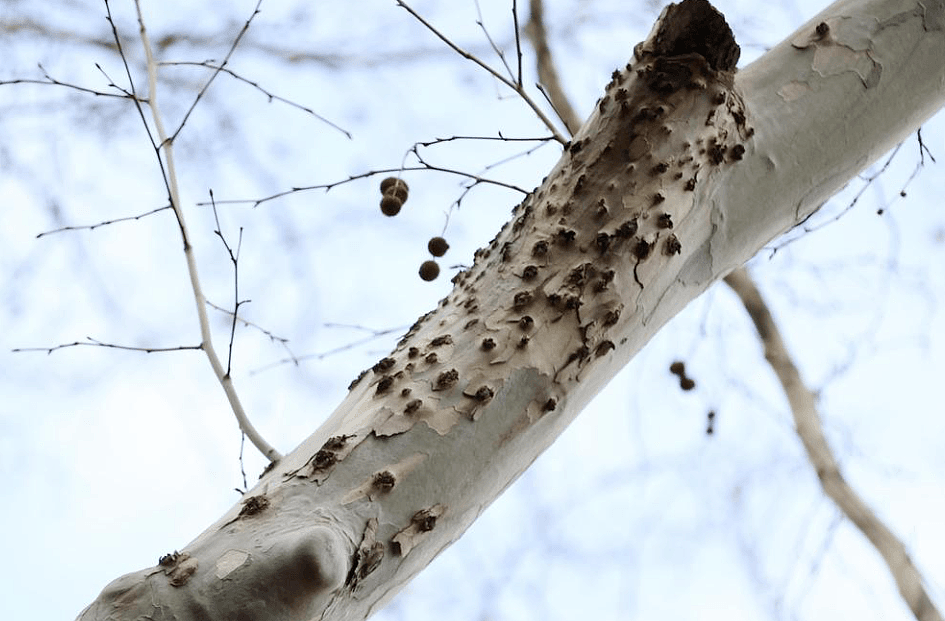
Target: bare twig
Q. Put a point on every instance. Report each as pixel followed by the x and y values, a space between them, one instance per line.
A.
pixel 499 138
pixel 90 342
pixel 272 97
pixel 518 41
pixel 547 73
pixel 235 260
pixel 166 146
pixel 284 342
pixel 518 88
pixel 373 336
pixel 328 186
pixel 226 59
pixel 495 48
pixel 809 428
pixel 48 80
pixel 92 227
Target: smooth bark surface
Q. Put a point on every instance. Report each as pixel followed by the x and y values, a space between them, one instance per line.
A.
pixel 681 174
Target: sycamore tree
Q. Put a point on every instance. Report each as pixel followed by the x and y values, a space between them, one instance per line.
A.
pixel 688 164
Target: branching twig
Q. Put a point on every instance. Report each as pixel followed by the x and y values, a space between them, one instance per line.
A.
pixel 518 88
pixel 495 48
pixel 51 81
pixel 212 77
pixel 547 72
pixel 235 260
pixel 808 424
pixel 375 334
pixel 249 324
pixel 271 96
pixel 166 146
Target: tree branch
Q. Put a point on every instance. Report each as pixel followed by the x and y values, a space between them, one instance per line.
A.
pixel 547 73
pixel 167 146
pixel 807 421
pixel 518 88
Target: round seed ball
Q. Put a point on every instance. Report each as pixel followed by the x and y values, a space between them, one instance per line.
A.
pixel 392 186
pixel 437 246
pixel 429 270
pixel 390 205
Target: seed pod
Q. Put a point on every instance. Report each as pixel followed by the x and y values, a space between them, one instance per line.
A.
pixel 437 246
pixel 391 186
pixel 390 205
pixel 429 270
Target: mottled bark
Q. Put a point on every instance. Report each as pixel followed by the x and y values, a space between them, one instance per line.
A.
pixel 682 173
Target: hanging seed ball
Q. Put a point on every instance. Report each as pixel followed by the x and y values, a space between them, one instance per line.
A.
pixel 429 270
pixel 392 186
pixel 390 205
pixel 437 246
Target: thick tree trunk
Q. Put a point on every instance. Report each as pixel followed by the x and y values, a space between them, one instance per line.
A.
pixel 682 173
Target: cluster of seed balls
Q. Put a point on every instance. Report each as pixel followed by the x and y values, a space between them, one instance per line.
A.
pixel 394 193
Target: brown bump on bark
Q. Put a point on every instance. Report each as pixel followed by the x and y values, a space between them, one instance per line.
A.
pixel 384 481
pixel 446 380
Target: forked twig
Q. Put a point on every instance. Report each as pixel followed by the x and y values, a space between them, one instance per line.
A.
pixel 166 163
pixel 518 88
pixel 272 97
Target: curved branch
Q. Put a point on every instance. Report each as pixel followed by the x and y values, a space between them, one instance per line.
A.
pixel 547 73
pixel 808 424
pixel 167 145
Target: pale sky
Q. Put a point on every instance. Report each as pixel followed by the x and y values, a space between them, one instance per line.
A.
pixel 113 458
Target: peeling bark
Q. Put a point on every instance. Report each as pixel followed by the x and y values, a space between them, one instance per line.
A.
pixel 681 174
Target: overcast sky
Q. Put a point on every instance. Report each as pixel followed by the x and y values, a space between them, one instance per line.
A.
pixel 113 458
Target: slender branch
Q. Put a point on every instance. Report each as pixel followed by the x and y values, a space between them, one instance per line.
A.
pixel 492 44
pixel 48 80
pixel 90 342
pixel 272 97
pixel 518 41
pixel 166 145
pixel 328 186
pixel 518 88
pixel 249 324
pixel 807 421
pixel 213 76
pixel 92 227
pixel 235 260
pixel 547 72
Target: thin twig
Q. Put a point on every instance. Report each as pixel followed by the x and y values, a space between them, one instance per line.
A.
pixel 492 44
pixel 374 335
pixel 284 342
pixel 272 97
pixel 90 342
pixel 51 81
pixel 809 427
pixel 499 138
pixel 235 260
pixel 213 76
pixel 170 180
pixel 92 227
pixel 328 186
pixel 515 87
pixel 518 41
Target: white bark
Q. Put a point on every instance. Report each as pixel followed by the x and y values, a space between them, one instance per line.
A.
pixel 582 276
